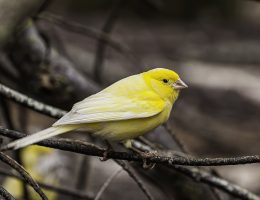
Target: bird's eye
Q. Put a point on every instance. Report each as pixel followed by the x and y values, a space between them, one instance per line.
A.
pixel 165 80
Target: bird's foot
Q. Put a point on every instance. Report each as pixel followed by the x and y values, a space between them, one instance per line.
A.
pixel 145 156
pixel 109 148
pixel 105 154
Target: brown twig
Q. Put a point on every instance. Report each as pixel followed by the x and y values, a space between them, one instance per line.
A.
pixel 175 138
pixel 101 43
pixel 183 148
pixel 9 123
pixel 5 194
pixel 91 149
pixel 86 148
pixel 26 176
pixel 81 29
pixel 106 184
pixel 208 178
pixel 134 176
pixel 66 191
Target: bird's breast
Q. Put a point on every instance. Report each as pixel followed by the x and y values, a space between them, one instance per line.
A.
pixel 128 129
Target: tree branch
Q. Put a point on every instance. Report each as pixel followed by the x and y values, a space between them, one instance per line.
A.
pixel 86 148
pixel 101 44
pixel 27 178
pixel 31 103
pixel 205 177
pixel 86 31
pixel 106 184
pixel 134 176
pixel 93 150
pixel 5 194
pixel 90 149
pixel 66 191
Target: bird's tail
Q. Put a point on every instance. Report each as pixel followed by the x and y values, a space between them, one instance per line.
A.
pixel 37 137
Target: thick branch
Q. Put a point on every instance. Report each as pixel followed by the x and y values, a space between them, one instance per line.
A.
pixel 85 148
pixel 93 150
pixel 46 70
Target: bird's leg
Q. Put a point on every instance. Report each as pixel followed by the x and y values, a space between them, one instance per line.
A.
pixel 143 155
pixel 108 149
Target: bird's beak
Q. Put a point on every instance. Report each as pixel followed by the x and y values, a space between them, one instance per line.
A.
pixel 179 84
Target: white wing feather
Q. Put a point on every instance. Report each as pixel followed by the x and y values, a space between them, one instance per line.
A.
pixel 103 107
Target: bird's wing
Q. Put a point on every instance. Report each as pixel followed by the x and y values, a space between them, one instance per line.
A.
pixel 104 106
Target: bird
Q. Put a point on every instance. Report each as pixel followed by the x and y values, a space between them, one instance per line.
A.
pixel 121 112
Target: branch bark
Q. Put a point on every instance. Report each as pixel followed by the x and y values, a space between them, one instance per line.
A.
pixel 26 176
pixel 171 162
pixel 61 190
pixel 5 194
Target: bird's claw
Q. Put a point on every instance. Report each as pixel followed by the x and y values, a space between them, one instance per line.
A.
pixel 104 158
pixel 109 148
pixel 145 156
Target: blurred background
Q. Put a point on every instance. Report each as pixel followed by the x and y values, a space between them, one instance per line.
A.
pixel 61 51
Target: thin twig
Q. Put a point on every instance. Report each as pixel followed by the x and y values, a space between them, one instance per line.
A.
pixel 134 176
pixel 82 173
pixel 81 29
pixel 106 184
pixel 101 43
pixel 13 164
pixel 205 177
pixel 10 125
pixel 175 138
pixel 5 194
pixel 62 190
pixel 185 150
pixel 31 103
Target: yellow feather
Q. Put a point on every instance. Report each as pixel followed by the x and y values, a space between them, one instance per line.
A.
pixel 126 109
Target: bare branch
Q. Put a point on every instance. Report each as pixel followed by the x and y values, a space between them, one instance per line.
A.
pixel 86 148
pixel 46 70
pixel 13 164
pixel 101 44
pixel 91 149
pixel 185 150
pixel 205 177
pixel 134 176
pixel 9 123
pixel 106 184
pixel 66 191
pixel 81 29
pixel 31 103
pixel 5 194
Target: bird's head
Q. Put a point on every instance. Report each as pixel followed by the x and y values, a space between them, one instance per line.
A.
pixel 165 83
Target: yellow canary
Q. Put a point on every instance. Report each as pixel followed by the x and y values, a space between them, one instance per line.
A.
pixel 125 110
